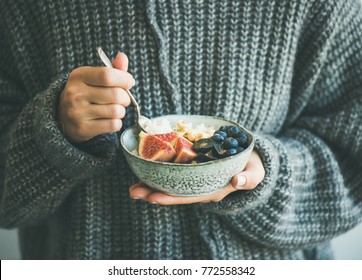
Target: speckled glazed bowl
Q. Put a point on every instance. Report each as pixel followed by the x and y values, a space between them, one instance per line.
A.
pixel 185 179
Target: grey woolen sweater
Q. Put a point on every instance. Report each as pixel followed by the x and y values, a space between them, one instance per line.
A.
pixel 290 71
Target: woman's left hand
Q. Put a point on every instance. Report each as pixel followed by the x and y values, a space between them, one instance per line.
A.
pixel 248 179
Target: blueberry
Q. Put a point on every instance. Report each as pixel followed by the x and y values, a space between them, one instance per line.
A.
pixel 233 131
pixel 230 143
pixel 243 140
pixel 221 132
pixel 228 130
pixel 239 149
pixel 218 138
pixel 223 128
pixel 239 134
pixel 230 152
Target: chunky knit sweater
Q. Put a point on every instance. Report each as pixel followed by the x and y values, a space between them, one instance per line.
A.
pixel 290 71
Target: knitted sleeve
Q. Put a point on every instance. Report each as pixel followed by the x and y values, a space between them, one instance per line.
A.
pixel 38 166
pixel 313 185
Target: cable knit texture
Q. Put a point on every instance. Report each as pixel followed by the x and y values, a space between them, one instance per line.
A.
pixel 290 71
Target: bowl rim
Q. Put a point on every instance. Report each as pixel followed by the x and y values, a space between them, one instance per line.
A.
pixel 251 146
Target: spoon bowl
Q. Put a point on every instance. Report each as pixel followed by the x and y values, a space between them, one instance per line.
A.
pixel 142 121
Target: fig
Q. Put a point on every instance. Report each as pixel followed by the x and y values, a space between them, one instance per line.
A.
pixel 184 151
pixel 154 148
pixel 168 137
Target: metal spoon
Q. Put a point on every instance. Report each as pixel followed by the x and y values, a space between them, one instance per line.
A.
pixel 142 121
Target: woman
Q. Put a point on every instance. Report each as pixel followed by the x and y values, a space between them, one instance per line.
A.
pixel 290 71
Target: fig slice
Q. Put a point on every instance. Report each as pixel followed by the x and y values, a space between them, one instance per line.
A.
pixel 184 151
pixel 169 137
pixel 154 148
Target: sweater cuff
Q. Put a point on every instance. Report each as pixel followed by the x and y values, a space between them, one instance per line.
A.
pixel 72 161
pixel 246 199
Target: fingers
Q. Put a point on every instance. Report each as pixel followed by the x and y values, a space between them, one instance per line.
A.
pixel 82 111
pixel 103 77
pixel 164 199
pixel 94 99
pixel 141 191
pixel 111 111
pixel 121 61
pixel 86 130
pixel 112 95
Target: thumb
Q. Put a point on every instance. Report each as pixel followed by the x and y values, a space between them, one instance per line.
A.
pixel 247 180
pixel 244 181
pixel 252 175
pixel 121 61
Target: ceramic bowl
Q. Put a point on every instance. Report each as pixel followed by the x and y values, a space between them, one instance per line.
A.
pixel 178 179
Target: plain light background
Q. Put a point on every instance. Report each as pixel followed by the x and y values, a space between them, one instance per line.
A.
pixel 346 247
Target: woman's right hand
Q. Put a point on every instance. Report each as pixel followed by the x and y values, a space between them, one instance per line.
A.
pixel 94 99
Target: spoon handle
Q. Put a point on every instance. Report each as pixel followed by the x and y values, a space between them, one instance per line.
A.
pixel 104 58
pixel 134 102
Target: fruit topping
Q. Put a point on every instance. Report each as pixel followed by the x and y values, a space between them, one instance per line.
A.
pixel 239 149
pixel 168 137
pixel 217 150
pixel 230 152
pixel 233 131
pixel 206 157
pixel 186 146
pixel 203 145
pixel 154 148
pixel 243 140
pixel 184 151
pixel 218 137
pixel 230 143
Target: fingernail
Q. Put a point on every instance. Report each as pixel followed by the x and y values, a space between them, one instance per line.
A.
pixel 135 197
pixel 240 182
pixel 154 202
